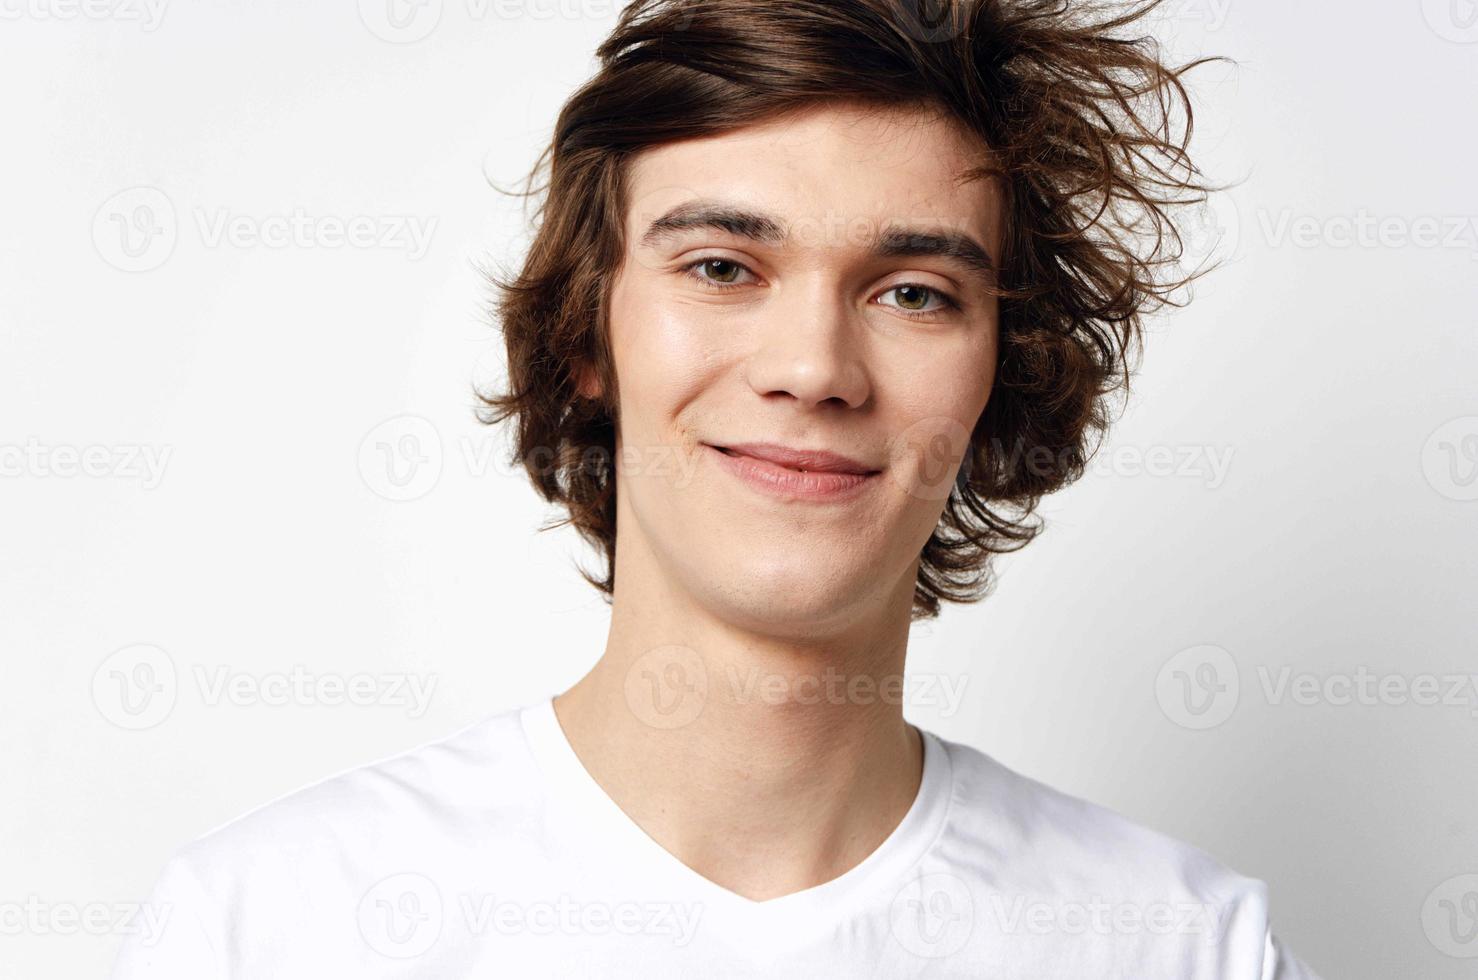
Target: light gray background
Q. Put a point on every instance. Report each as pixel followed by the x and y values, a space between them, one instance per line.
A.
pixel 1330 368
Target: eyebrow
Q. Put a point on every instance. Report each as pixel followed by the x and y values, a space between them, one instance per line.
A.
pixel 894 241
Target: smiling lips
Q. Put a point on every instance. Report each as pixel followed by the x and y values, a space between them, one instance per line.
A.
pixel 795 473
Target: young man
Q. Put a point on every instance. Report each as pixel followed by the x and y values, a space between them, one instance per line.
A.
pixel 818 285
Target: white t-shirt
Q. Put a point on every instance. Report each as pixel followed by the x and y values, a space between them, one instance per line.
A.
pixel 493 853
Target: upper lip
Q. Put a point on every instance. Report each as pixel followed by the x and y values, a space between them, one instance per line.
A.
pixel 820 460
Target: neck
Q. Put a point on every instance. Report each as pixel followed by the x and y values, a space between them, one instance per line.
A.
pixel 766 764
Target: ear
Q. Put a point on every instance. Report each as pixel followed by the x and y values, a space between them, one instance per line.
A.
pixel 586 384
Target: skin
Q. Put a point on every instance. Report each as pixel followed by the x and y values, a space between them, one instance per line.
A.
pixel 709 719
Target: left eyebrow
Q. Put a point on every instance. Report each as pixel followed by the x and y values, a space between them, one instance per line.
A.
pixel 895 241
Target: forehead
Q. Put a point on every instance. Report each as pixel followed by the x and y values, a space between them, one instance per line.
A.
pixel 828 168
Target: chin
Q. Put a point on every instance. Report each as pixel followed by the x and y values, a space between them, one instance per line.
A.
pixel 798 600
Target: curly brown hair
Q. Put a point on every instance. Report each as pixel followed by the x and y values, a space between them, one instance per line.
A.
pixel 1088 129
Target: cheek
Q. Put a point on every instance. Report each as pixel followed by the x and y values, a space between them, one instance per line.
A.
pixel 664 352
pixel 935 402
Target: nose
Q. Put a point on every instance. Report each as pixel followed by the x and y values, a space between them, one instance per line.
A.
pixel 809 346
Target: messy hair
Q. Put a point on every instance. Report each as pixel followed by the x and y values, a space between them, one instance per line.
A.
pixel 1087 129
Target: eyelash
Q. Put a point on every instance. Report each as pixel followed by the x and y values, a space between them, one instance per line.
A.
pixel 691 269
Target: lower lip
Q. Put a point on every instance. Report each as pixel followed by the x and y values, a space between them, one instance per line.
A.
pixel 782 481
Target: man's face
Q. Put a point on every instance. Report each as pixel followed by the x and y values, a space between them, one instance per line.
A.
pixel 811 282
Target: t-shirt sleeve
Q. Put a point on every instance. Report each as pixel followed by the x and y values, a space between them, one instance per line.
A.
pixel 178 933
pixel 1280 964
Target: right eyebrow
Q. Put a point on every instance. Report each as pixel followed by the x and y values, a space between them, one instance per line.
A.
pixel 756 225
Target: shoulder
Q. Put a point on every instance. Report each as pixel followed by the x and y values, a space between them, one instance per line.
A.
pixel 296 885
pixel 1031 852
pixel 393 807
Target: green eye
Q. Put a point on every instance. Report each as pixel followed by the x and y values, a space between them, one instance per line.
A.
pixel 720 270
pixel 913 298
pixel 716 271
